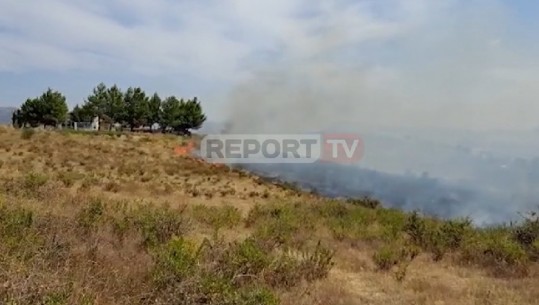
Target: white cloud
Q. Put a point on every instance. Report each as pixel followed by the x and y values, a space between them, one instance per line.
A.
pixel 209 39
pixel 60 34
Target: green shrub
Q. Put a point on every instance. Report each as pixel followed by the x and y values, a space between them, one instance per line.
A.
pixel 436 244
pixel 284 272
pixel 436 236
pixel 439 238
pixel 213 289
pixel 175 261
pixel 366 202
pixel 14 222
pixel 534 251
pixel 453 232
pixel 216 272
pixel 289 225
pixel 120 218
pixel 69 178
pixel 394 254
pixel 57 298
pixel 218 217
pixel 258 296
pixel 505 251
pixel 317 264
pixel 244 258
pixel 350 223
pixel 159 224
pixel 89 217
pixel 496 251
pixel 527 233
pixel 280 228
pixel 33 181
pixel 354 222
pixel 332 209
pixel 392 222
pixel 155 224
pixel 416 228
pixel 18 236
pixel 255 214
pixel 386 258
pixel 88 182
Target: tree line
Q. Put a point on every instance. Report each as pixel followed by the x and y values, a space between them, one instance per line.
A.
pixel 132 109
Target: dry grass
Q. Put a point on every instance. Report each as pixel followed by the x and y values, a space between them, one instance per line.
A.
pixel 120 219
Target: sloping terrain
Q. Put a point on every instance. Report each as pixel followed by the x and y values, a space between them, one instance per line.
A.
pixel 125 219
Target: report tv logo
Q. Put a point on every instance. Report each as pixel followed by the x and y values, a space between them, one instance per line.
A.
pixel 282 148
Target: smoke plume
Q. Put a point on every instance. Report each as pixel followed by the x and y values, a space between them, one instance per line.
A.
pixel 430 85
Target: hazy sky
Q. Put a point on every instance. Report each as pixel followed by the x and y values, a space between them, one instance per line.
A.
pixel 464 52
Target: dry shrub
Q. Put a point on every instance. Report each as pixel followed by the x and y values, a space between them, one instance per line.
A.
pixel 112 186
pixel 27 133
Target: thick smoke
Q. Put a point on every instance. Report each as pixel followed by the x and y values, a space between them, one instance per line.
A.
pixel 407 192
pixel 427 83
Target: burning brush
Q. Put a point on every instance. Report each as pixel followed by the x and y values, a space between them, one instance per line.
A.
pixel 189 151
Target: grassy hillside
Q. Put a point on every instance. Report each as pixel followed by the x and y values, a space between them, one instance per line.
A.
pixel 122 219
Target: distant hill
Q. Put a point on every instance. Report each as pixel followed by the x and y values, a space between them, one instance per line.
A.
pixel 5 114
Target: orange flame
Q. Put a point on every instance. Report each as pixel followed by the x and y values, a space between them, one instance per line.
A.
pixel 184 151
